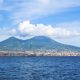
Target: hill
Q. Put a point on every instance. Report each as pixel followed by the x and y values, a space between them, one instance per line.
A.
pixel 35 43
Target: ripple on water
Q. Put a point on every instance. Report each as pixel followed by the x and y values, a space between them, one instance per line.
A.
pixel 39 68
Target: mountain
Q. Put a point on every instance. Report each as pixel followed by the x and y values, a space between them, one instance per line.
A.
pixel 35 43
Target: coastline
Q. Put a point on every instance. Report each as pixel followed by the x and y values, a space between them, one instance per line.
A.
pixel 38 53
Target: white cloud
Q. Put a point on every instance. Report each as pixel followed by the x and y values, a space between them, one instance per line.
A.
pixel 21 10
pixel 30 9
pixel 7 32
pixel 38 8
pixel 28 29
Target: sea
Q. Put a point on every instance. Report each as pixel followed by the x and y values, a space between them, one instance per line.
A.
pixel 39 68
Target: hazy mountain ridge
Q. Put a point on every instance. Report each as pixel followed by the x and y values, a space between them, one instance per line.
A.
pixel 35 43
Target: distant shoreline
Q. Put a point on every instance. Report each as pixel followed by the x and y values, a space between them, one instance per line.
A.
pixel 38 53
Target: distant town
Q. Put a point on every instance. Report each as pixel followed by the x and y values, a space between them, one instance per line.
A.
pixel 37 53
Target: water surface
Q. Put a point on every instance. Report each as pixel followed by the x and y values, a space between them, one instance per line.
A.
pixel 39 68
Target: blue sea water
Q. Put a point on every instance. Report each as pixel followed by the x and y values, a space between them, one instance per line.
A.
pixel 39 68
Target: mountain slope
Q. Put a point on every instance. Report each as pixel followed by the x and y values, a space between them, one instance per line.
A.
pixel 35 43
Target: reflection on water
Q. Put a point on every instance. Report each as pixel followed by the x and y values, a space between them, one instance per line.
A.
pixel 39 68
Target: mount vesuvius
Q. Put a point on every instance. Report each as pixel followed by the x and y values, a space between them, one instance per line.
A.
pixel 35 43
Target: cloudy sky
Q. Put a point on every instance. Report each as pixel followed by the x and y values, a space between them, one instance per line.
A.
pixel 57 19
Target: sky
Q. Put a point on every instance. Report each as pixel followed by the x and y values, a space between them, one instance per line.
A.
pixel 56 19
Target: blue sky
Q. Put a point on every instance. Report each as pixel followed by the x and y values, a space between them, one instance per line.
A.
pixel 57 19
